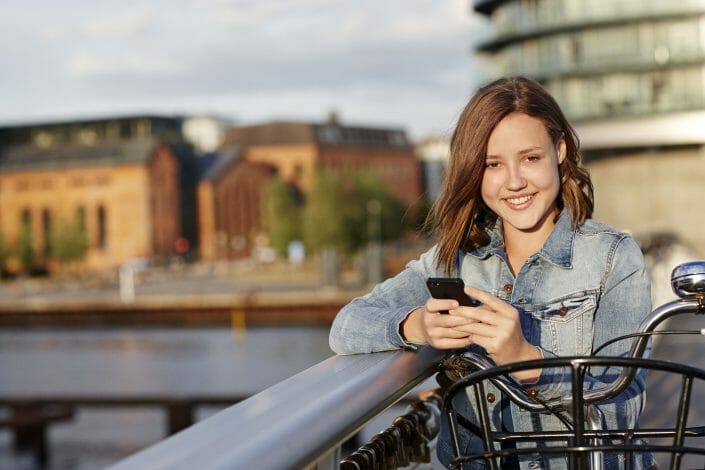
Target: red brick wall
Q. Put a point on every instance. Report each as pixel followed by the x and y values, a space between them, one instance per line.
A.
pixel 230 211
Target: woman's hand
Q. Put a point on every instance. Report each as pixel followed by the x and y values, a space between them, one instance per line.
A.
pixel 495 326
pixel 426 325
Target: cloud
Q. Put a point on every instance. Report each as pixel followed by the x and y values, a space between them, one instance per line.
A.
pixel 129 23
pixel 250 57
pixel 127 66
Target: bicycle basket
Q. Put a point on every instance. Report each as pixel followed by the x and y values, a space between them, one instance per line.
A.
pixel 580 437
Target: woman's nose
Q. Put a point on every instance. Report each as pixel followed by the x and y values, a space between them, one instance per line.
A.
pixel 515 179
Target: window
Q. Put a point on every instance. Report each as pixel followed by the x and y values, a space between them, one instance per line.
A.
pixel 102 232
pixel 26 219
pixel 46 231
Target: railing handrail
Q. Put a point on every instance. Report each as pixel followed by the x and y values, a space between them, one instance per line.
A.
pixel 296 421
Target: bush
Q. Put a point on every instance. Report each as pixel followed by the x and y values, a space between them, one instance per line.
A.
pixel 69 241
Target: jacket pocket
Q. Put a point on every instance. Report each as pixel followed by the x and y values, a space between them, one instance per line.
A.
pixel 564 326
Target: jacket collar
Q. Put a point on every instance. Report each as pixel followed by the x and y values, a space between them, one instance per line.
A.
pixel 558 248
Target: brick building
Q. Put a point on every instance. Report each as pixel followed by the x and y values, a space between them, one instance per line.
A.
pixel 116 178
pixel 137 186
pixel 230 195
pixel 298 150
pixel 229 205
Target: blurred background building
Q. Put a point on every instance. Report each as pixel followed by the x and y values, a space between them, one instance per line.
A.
pixel 93 193
pixel 155 187
pixel 298 153
pixel 630 75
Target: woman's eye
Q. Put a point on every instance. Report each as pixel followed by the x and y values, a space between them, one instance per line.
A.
pixel 533 158
pixel 491 164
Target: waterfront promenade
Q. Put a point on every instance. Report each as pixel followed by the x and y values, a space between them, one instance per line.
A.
pixel 272 293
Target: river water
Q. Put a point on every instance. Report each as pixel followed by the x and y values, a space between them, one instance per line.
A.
pixel 123 360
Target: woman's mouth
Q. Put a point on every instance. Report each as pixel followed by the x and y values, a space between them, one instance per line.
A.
pixel 519 201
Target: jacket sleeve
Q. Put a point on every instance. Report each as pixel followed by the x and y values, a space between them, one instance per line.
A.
pixel 625 301
pixel 371 323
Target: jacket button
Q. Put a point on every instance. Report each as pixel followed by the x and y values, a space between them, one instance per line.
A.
pixel 508 288
pixel 532 392
pixel 563 311
pixel 490 397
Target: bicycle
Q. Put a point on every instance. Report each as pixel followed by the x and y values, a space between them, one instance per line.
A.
pixel 584 439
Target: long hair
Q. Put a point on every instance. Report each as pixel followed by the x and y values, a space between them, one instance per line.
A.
pixel 459 217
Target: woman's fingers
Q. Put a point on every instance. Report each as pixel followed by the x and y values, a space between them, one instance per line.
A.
pixel 441 305
pixel 444 331
pixel 447 343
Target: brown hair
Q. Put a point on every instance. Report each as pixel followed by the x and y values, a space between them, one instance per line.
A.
pixel 460 218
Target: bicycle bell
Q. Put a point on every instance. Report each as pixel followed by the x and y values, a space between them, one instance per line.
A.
pixel 688 279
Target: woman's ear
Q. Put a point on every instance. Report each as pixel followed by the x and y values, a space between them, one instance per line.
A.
pixel 561 150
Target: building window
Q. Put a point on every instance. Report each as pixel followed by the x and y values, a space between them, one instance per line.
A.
pixel 102 232
pixel 26 219
pixel 46 231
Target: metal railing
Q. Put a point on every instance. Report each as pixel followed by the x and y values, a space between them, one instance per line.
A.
pixel 300 422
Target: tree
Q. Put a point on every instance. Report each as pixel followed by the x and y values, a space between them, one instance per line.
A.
pixel 346 211
pixel 69 241
pixel 382 216
pixel 282 214
pixel 326 217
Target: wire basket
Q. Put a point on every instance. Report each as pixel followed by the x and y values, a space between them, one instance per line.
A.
pixel 581 443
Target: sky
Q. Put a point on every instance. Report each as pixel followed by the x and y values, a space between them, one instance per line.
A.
pixel 388 63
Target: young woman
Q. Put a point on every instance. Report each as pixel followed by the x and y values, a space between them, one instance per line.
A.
pixel 513 221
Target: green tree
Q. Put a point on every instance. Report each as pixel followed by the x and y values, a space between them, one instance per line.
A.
pixel 282 214
pixel 380 215
pixel 69 241
pixel 346 211
pixel 325 218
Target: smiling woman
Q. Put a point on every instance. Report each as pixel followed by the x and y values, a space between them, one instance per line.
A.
pixel 513 221
pixel 521 183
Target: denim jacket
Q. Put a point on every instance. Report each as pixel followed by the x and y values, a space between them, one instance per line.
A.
pixel 583 288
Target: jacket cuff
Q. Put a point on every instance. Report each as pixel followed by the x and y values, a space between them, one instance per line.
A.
pixel 394 329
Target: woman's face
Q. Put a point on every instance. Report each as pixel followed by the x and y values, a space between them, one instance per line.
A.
pixel 521 180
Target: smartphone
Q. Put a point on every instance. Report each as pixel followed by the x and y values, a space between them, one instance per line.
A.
pixel 450 288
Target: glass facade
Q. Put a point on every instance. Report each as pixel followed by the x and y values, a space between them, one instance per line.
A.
pixel 604 58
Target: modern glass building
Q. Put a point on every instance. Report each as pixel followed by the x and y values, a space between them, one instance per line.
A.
pixel 630 75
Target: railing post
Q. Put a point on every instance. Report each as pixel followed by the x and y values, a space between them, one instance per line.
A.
pixel 180 415
pixel 31 435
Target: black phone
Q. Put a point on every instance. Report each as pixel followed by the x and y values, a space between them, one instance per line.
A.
pixel 450 288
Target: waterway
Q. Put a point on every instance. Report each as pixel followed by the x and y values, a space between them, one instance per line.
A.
pixel 127 361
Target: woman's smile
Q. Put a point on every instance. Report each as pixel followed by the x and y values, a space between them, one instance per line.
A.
pixel 520 202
